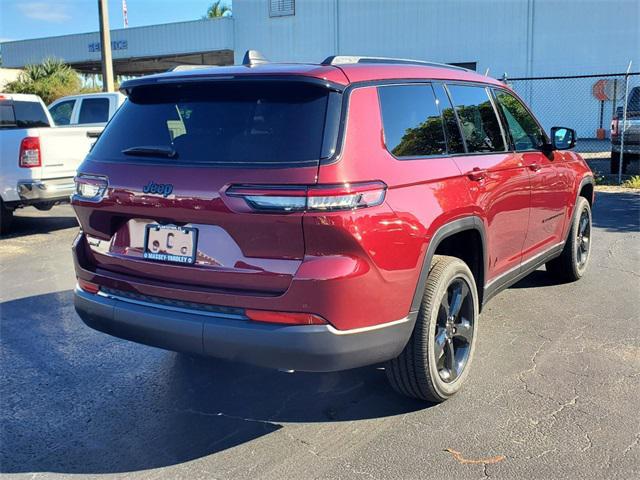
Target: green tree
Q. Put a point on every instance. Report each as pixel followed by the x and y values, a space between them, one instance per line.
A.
pixel 218 9
pixel 49 80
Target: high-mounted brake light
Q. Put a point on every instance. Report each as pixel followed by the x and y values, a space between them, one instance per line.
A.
pixel 90 187
pixel 314 198
pixel 29 156
pixel 288 318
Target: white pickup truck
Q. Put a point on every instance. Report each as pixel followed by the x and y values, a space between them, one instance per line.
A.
pixel 38 160
pixel 88 109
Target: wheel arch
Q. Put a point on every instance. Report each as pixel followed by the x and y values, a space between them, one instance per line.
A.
pixel 586 189
pixel 443 239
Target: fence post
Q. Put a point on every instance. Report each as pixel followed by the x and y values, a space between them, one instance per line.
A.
pixel 624 121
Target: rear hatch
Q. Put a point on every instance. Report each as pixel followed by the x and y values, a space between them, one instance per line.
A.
pixel 172 157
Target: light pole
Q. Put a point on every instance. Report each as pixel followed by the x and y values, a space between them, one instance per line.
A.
pixel 105 47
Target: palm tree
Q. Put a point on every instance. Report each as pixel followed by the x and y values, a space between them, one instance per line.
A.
pixel 50 79
pixel 218 9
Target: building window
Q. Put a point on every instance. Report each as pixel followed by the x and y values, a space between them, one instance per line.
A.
pixel 282 8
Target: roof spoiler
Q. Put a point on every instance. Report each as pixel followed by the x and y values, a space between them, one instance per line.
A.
pixel 252 58
pixel 350 59
pixel 184 68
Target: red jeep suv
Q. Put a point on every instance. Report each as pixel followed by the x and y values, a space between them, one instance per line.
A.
pixel 323 217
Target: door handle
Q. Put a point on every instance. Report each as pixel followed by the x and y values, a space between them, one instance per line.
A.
pixel 477 174
pixel 534 166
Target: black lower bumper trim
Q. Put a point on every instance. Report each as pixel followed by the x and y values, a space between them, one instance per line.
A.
pixel 314 348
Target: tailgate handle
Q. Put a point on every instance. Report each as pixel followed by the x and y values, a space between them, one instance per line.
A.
pixel 477 174
pixel 94 134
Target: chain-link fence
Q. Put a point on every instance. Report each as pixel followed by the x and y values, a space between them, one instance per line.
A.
pixel 593 105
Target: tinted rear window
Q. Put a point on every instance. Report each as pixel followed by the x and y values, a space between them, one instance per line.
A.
pixel 7 117
pixel 237 123
pixel 25 114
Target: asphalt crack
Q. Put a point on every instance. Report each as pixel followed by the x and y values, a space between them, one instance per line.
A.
pixel 233 417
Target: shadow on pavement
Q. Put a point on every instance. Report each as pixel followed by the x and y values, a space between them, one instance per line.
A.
pixel 617 212
pixel 38 222
pixel 77 401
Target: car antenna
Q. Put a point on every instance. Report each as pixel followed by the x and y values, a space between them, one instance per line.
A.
pixel 253 57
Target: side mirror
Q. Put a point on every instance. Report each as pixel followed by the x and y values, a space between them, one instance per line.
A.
pixel 563 138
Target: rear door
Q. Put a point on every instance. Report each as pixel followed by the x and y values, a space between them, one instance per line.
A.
pixel 172 155
pixel 498 180
pixel 551 185
pixel 94 110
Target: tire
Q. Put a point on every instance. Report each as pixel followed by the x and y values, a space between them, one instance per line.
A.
pixel 6 219
pixel 574 259
pixel 416 372
pixel 44 206
pixel 615 163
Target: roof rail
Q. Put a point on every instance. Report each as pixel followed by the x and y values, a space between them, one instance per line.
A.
pixel 253 57
pixel 350 59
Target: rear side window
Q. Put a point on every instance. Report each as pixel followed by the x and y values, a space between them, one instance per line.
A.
pixel 30 115
pixel 94 110
pixel 411 120
pixel 525 131
pixel 454 137
pixel 478 120
pixel 230 123
pixel 62 111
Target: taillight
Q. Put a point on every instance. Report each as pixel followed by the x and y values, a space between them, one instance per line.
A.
pixel 30 153
pixel 288 318
pixel 614 126
pixel 88 287
pixel 90 187
pixel 313 198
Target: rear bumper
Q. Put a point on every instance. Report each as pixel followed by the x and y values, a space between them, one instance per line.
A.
pixel 631 144
pixel 314 348
pixel 54 190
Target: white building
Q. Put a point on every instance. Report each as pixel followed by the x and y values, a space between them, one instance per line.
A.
pixel 522 38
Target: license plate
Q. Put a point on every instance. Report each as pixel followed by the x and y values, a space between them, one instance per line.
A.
pixel 170 243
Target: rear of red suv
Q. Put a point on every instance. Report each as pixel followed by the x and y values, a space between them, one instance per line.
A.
pixel 323 217
pixel 205 229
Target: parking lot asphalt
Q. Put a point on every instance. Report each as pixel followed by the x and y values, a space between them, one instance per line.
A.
pixel 554 391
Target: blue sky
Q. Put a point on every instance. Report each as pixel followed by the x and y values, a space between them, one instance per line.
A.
pixel 20 19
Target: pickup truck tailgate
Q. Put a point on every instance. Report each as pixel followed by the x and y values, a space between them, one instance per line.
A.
pixel 64 148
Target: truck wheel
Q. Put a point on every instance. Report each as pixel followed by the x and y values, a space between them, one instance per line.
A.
pixel 44 206
pixel 615 162
pixel 6 218
pixel 572 262
pixel 435 362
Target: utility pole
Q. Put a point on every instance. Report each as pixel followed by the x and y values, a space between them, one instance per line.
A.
pixel 105 47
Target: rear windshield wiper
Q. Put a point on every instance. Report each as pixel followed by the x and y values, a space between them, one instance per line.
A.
pixel 151 151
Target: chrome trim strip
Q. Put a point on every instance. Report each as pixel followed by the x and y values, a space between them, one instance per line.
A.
pixel 327 327
pixel 379 326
